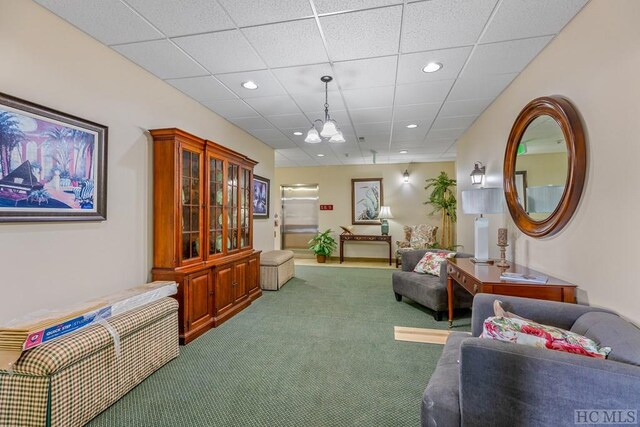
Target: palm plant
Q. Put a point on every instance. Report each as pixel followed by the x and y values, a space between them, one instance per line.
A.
pixel 59 147
pixel 322 245
pixel 443 200
pixel 10 136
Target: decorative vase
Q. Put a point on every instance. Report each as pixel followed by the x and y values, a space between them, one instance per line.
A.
pixel 321 258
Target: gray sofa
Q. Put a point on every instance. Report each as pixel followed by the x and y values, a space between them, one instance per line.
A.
pixel 482 382
pixel 426 289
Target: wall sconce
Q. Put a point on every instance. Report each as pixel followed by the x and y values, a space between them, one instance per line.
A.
pixel 405 176
pixel 477 176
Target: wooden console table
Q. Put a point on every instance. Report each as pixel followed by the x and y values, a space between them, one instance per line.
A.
pixel 362 238
pixel 485 278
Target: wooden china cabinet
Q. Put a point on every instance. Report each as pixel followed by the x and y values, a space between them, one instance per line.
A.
pixel 203 229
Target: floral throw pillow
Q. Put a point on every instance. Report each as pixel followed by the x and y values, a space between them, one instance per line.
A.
pixel 430 262
pixel 521 331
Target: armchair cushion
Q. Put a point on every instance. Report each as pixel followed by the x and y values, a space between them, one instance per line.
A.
pixel 422 236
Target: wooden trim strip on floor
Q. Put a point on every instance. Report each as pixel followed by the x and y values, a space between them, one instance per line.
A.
pixel 428 336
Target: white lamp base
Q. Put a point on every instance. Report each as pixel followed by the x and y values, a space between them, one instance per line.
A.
pixel 481 247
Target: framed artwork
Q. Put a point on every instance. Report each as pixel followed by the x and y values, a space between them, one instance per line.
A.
pixel 261 187
pixel 53 166
pixel 366 199
pixel 521 188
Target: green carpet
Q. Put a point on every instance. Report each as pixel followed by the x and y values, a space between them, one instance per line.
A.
pixel 319 352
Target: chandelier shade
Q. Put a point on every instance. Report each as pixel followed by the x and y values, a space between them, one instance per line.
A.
pixel 329 128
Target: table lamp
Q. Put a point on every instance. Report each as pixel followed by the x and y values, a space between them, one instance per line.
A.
pixel 479 202
pixel 383 216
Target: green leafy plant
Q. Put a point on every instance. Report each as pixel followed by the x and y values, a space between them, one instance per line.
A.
pixel 323 243
pixel 443 200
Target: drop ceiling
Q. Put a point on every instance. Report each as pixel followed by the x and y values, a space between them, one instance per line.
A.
pixel 374 49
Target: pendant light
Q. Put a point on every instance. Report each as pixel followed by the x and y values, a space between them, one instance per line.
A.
pixel 329 128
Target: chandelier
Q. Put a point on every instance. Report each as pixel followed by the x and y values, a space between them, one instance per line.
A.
pixel 328 127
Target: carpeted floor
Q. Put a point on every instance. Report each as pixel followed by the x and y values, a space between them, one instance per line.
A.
pixel 319 352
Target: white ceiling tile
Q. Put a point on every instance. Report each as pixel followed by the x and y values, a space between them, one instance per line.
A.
pixel 444 133
pixel 268 135
pixel 371 115
pixel 380 138
pixel 464 108
pixel 415 112
pixel 366 73
pixel 423 93
pixel 161 58
pixel 231 108
pixel 439 24
pixel 333 6
pixel 517 19
pixel 194 16
pixel 313 102
pixel 267 84
pixel 274 105
pixel 289 121
pixel 401 133
pixel 304 79
pixel 252 12
pixel 365 129
pixel 294 154
pixel 369 98
pixel 411 64
pixel 205 88
pixel 251 123
pixel 279 143
pixel 109 21
pixel 222 52
pixel 374 32
pixel 288 43
pixel 487 86
pixel 504 57
pixel 461 122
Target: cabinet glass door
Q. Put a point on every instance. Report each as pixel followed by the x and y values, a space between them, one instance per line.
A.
pixel 191 203
pixel 216 205
pixel 245 208
pixel 233 178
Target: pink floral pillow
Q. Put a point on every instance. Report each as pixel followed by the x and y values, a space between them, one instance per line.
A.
pixel 430 262
pixel 522 331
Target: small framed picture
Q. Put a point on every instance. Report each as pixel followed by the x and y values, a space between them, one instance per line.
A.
pixel 53 166
pixel 366 199
pixel 261 199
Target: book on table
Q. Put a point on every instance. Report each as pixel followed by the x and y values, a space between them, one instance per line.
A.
pixel 520 277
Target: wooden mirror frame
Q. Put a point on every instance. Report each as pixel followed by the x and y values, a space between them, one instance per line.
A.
pixel 567 118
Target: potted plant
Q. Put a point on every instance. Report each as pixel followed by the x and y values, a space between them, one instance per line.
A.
pixel 322 245
pixel 443 200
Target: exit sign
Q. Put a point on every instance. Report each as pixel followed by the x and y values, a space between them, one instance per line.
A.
pixel 326 207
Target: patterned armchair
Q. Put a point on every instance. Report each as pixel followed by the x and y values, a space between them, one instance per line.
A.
pixel 419 236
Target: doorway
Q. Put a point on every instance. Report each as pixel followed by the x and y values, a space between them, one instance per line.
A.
pixel 299 215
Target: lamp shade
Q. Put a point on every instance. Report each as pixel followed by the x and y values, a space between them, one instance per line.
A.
pixel 338 137
pixel 482 201
pixel 329 129
pixel 544 199
pixel 385 213
pixel 312 136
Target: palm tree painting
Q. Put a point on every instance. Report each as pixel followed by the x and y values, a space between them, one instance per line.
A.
pixel 366 199
pixel 47 163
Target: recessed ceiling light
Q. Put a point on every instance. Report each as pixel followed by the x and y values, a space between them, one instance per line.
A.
pixel 249 85
pixel 297 133
pixel 320 155
pixel 432 67
pixel 404 151
pixel 412 126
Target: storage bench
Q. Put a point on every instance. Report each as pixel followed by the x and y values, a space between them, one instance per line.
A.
pixel 70 380
pixel 276 268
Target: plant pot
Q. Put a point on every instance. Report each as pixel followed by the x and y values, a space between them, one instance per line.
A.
pixel 321 259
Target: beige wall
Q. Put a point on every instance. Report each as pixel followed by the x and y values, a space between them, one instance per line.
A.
pixel 594 62
pixel 49 62
pixel 406 200
pixel 544 169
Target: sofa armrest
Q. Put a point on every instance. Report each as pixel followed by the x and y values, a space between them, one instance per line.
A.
pixel 559 314
pixel 504 384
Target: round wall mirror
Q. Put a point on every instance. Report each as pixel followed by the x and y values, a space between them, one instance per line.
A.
pixel 544 166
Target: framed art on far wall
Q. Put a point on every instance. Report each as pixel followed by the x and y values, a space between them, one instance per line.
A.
pixel 366 199
pixel 53 166
pixel 261 187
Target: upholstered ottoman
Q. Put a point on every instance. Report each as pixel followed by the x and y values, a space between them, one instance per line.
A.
pixel 69 381
pixel 276 268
